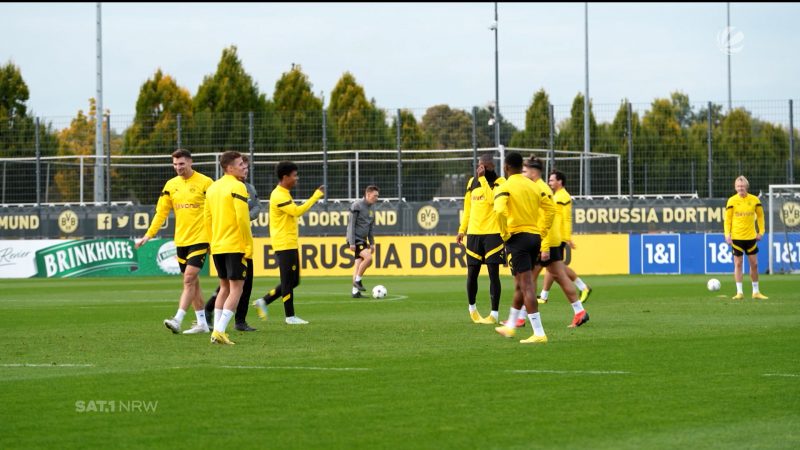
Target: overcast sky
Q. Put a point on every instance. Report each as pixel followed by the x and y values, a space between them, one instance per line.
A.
pixel 408 55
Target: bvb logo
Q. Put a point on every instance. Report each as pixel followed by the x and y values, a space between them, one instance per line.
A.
pixel 428 217
pixel 790 214
pixel 68 221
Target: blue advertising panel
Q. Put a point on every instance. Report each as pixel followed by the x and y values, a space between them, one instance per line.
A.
pixel 661 254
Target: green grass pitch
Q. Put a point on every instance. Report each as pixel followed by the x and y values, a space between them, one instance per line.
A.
pixel 663 363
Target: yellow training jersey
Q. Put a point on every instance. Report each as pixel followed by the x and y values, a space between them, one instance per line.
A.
pixel 187 196
pixel 283 214
pixel 741 215
pixel 227 217
pixel 479 216
pixel 563 202
pixel 554 231
pixel 518 203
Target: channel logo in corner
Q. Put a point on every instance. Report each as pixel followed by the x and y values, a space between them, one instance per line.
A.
pixel 167 258
pixel 87 258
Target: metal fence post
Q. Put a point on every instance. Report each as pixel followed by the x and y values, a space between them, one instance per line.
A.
pixel 710 161
pixel 552 141
pixel 80 179
pixel 791 142
pixel 629 133
pixel 325 154
pixel 252 148
pixel 108 160
pixel 178 131
pixel 475 139
pixel 399 156
pixel 38 165
pixel 358 175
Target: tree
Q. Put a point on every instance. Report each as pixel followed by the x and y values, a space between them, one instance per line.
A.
pixel 447 128
pixel 682 109
pixel 484 119
pixel 222 105
pixel 356 123
pixel 537 124
pixel 154 128
pixel 299 110
pixel 571 131
pixel 664 144
pixel 411 135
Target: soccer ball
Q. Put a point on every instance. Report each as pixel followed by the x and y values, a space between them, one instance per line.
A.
pixel 379 291
pixel 713 285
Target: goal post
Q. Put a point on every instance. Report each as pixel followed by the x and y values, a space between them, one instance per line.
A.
pixel 784 228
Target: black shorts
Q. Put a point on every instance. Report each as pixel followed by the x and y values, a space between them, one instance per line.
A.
pixel 556 254
pixel 192 255
pixel 360 247
pixel 289 267
pixel 485 249
pixel 523 248
pixel 741 247
pixel 231 266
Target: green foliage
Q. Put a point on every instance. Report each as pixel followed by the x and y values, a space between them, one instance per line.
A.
pixel 571 131
pixel 357 124
pixel 447 128
pixel 485 132
pixel 299 110
pixel 537 124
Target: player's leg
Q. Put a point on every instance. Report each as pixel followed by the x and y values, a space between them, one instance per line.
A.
pixel 546 285
pixel 473 271
pixel 752 258
pixel 495 290
pixel 528 286
pixel 290 279
pixel 244 300
pixel 580 316
pixel 738 264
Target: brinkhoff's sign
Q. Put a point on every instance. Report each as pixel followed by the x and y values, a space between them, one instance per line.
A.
pixel 391 219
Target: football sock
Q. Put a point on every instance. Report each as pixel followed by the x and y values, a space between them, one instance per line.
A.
pixel 536 324
pixel 217 317
pixel 739 288
pixel 358 278
pixel 577 306
pixel 180 315
pixel 581 285
pixel 755 286
pixel 472 283
pixel 227 314
pixel 355 290
pixel 544 294
pixel 495 286
pixel 512 317
pixel 496 315
pixel 201 317
pixel 473 308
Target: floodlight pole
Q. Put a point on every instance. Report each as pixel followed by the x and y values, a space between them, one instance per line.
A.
pixel 586 135
pixel 728 41
pixel 99 182
pixel 496 84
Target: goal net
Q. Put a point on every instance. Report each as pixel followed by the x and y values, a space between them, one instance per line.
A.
pixel 784 228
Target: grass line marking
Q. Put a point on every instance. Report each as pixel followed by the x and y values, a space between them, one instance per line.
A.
pixel 573 372
pixel 789 375
pixel 337 369
pixel 46 365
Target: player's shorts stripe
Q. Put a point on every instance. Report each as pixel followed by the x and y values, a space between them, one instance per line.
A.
pixel 202 251
pixel 473 254
pixel 287 297
pixel 494 250
pixel 752 248
pixel 181 260
pixel 737 247
pixel 286 203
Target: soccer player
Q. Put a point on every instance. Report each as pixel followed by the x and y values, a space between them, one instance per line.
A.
pixel 227 218
pixel 484 244
pixel 254 207
pixel 518 203
pixel 359 236
pixel 555 263
pixel 557 181
pixel 742 213
pixel 283 214
pixel 186 195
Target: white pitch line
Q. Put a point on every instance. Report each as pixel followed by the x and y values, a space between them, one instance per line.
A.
pixel 790 375
pixel 46 365
pixel 573 372
pixel 338 369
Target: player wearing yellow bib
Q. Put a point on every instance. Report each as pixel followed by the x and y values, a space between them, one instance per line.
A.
pixel 555 263
pixel 484 244
pixel 518 203
pixel 742 213
pixel 563 202
pixel 186 195
pixel 283 214
pixel 227 219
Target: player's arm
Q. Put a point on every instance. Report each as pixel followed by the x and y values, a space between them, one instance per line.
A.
pixel 370 236
pixel 351 227
pixel 728 223
pixel 500 207
pixel 207 219
pixel 548 209
pixel 163 207
pixel 289 207
pixel 760 221
pixel 253 204
pixel 566 218
pixel 243 218
pixel 462 229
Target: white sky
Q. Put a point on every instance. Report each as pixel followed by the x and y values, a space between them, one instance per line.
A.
pixel 408 55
